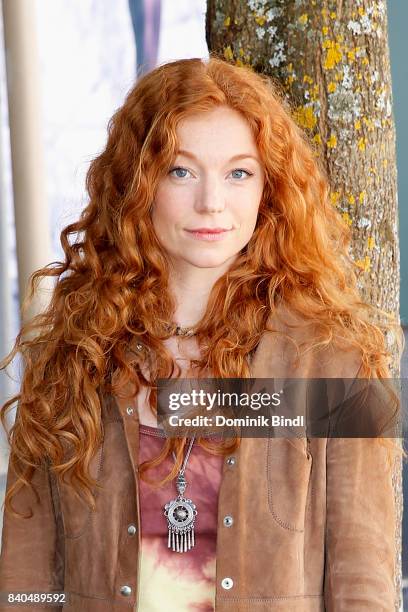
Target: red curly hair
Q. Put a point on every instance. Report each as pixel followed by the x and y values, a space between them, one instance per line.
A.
pixel 112 289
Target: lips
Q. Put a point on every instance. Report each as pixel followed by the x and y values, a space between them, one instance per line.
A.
pixel 208 230
pixel 215 234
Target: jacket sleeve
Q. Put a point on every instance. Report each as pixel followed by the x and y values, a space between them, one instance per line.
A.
pixel 360 527
pixel 32 549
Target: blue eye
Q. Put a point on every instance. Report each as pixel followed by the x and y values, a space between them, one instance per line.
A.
pixel 241 170
pixel 178 168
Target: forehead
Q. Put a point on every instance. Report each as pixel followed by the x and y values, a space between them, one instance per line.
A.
pixel 222 130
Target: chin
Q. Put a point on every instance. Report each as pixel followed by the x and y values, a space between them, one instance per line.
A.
pixel 208 262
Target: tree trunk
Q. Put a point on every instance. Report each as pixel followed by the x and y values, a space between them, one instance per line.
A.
pixel 332 59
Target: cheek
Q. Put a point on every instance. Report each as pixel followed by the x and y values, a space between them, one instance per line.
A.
pixel 161 206
pixel 246 207
pixel 168 210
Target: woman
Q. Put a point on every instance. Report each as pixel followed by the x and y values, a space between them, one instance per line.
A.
pixel 209 248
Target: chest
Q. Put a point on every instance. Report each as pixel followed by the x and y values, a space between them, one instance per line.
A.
pixel 183 351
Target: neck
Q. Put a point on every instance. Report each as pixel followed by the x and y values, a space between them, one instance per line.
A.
pixel 192 287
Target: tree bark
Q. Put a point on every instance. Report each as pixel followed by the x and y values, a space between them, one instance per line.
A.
pixel 331 57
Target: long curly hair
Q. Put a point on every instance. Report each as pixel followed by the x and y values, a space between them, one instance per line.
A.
pixel 112 288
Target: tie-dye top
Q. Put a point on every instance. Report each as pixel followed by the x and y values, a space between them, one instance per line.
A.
pixel 173 581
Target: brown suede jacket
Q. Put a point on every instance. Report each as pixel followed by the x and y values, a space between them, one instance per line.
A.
pixel 313 519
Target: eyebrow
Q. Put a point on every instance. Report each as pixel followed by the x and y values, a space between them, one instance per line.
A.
pixel 233 158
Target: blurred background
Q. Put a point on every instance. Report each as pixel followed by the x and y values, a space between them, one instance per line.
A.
pixel 73 63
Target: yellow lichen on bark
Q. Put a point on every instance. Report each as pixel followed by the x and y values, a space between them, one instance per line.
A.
pixel 260 20
pixel 333 55
pixel 362 143
pixel 334 197
pixel 347 218
pixel 332 142
pixel 364 264
pixel 305 117
pixel 228 54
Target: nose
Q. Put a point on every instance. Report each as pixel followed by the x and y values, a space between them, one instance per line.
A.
pixel 211 196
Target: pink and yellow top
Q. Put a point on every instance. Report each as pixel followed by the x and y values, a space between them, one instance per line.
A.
pixel 173 581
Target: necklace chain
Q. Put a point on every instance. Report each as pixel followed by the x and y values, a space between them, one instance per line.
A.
pixel 183 467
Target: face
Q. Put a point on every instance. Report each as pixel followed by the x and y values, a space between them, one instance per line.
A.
pixel 215 183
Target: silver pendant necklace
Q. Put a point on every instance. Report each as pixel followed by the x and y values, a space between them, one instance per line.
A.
pixel 181 513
